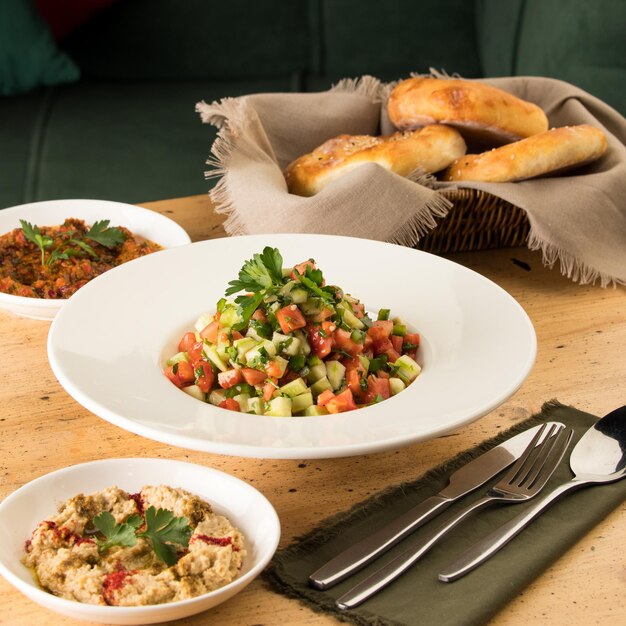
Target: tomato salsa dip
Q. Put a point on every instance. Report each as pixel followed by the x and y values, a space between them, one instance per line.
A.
pixel 53 262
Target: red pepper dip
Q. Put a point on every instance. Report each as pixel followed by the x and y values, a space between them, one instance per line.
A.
pixel 23 271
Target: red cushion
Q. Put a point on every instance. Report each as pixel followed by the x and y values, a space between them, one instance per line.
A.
pixel 64 16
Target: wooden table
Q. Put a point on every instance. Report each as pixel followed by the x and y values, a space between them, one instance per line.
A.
pixel 581 361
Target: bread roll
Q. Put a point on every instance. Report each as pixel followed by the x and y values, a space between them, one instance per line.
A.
pixel 430 149
pixel 552 152
pixel 482 113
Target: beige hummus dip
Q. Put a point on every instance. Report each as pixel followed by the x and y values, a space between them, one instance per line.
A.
pixel 65 557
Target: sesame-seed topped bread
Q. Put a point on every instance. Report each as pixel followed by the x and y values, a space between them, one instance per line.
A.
pixel 483 114
pixel 428 149
pixel 552 152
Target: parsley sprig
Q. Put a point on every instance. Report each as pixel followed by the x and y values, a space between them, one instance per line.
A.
pixel 162 530
pixel 100 232
pixel 260 273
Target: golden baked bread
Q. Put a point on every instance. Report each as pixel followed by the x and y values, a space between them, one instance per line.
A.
pixel 429 149
pixel 552 152
pixel 482 113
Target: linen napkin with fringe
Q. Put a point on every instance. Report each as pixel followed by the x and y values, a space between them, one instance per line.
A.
pixel 578 220
pixel 417 597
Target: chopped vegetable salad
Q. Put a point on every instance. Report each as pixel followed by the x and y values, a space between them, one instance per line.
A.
pixel 292 345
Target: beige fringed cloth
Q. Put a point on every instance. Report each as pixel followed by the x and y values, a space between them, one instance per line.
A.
pixel 577 220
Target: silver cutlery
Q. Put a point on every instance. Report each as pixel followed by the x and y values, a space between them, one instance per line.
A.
pixel 463 481
pixel 598 458
pixel 523 481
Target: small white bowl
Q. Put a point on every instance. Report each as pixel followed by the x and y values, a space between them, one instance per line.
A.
pixel 246 508
pixel 144 222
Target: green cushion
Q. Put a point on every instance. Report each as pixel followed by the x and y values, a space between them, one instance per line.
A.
pixel 581 42
pixel 126 142
pixel 193 39
pixel 391 39
pixel 29 57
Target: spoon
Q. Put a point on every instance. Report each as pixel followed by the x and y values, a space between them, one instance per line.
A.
pixel 598 458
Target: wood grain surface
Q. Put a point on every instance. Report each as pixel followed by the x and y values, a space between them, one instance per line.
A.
pixel 581 361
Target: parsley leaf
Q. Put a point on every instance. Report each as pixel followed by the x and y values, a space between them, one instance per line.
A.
pixel 312 280
pixel 246 306
pixel 260 273
pixel 34 235
pixel 102 234
pixel 162 530
pixel 116 534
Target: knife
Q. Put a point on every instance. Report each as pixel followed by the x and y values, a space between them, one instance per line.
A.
pixel 469 477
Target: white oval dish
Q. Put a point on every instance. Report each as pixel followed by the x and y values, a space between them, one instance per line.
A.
pixel 140 221
pixel 246 508
pixel 478 346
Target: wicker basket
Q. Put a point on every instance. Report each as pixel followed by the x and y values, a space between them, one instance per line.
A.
pixel 477 221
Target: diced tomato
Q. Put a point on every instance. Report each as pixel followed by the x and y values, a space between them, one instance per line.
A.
pixel 230 403
pixel 341 402
pixel 195 352
pixel 229 378
pixel 252 376
pixel 321 341
pixel 290 318
pixel 383 374
pixel 323 315
pixel 273 369
pixel 384 346
pixel 353 380
pixel 377 386
pixel 228 335
pixel 413 338
pixel 343 341
pixel 181 374
pixel 259 316
pixel 205 379
pixel 358 308
pixel 325 397
pixel 397 342
pixel 186 342
pixel 301 268
pixel 288 376
pixel 268 390
pixel 380 329
pixel 210 331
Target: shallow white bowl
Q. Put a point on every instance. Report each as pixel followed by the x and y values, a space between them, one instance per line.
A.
pixel 143 222
pixel 478 346
pixel 246 508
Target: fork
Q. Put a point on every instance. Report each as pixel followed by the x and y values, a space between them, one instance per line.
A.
pixel 523 481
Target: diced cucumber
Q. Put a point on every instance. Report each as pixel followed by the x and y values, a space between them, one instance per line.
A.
pixel 305 348
pixel 316 372
pixel 399 330
pixel 285 290
pixel 229 316
pixel 314 410
pixel 255 405
pixel 301 402
pixel 335 372
pixel 312 306
pixel 243 399
pixel 351 320
pixel 299 295
pixel 177 358
pixel 286 344
pixel 407 367
pixel 314 360
pixel 279 407
pixel 217 396
pixel 252 333
pixel 365 362
pixel 195 392
pixel 243 345
pixel 321 385
pixel 255 355
pixel 203 321
pixel 213 356
pixel 396 385
pixel 294 388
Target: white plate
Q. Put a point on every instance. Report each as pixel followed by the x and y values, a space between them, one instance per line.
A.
pixel 143 222
pixel 246 508
pixel 109 344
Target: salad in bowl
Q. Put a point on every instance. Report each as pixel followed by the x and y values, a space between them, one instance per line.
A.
pixel 290 344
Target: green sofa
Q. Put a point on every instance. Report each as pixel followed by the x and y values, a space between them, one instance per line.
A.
pixel 112 114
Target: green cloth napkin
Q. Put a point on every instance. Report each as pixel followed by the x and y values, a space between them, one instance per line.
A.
pixel 417 597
